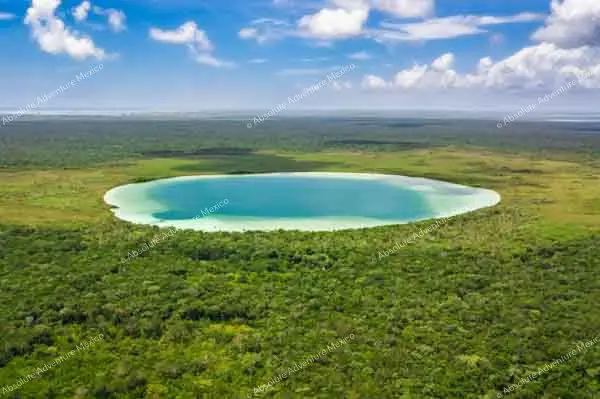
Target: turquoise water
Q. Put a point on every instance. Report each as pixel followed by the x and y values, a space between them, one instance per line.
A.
pixel 301 201
pixel 292 196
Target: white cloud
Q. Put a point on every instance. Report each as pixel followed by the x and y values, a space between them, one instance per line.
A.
pixel 54 37
pixel 248 33
pixel 541 66
pixel 374 82
pixel 334 23
pixel 544 65
pixel 444 63
pixel 361 55
pixel 264 30
pixel 257 61
pixel 572 23
pixel 6 16
pixel 82 10
pixel 406 8
pixel 344 19
pixel 195 39
pixel 210 60
pixel 116 18
pixel 447 27
pixel 569 50
pixel 188 33
pixel 438 74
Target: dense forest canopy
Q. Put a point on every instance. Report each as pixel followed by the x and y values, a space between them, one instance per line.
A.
pixel 470 309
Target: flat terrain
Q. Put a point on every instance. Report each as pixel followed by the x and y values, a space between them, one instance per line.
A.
pixel 463 312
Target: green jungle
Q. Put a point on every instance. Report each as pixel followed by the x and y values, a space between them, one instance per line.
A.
pixel 467 311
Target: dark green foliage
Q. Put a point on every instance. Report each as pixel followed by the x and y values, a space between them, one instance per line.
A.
pixel 72 141
pixel 464 312
pixel 417 313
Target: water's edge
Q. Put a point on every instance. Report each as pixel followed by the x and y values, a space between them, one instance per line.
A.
pixel 132 203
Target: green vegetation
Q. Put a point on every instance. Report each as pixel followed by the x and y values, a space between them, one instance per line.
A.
pixel 475 306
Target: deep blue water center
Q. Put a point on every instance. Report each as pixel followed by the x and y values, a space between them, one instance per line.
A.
pixel 290 197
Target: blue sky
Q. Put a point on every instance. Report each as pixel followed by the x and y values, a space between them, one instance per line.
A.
pixel 248 54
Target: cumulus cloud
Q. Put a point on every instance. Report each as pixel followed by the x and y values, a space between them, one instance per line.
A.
pixel 188 34
pixel 334 23
pixel 438 74
pixel 543 65
pixel 344 19
pixel 347 18
pixel 572 23
pixel 53 37
pixel 406 8
pixel 374 82
pixel 195 39
pixel 568 50
pixel 568 43
pixel 444 63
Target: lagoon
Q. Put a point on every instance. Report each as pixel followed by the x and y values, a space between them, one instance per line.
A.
pixel 314 201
